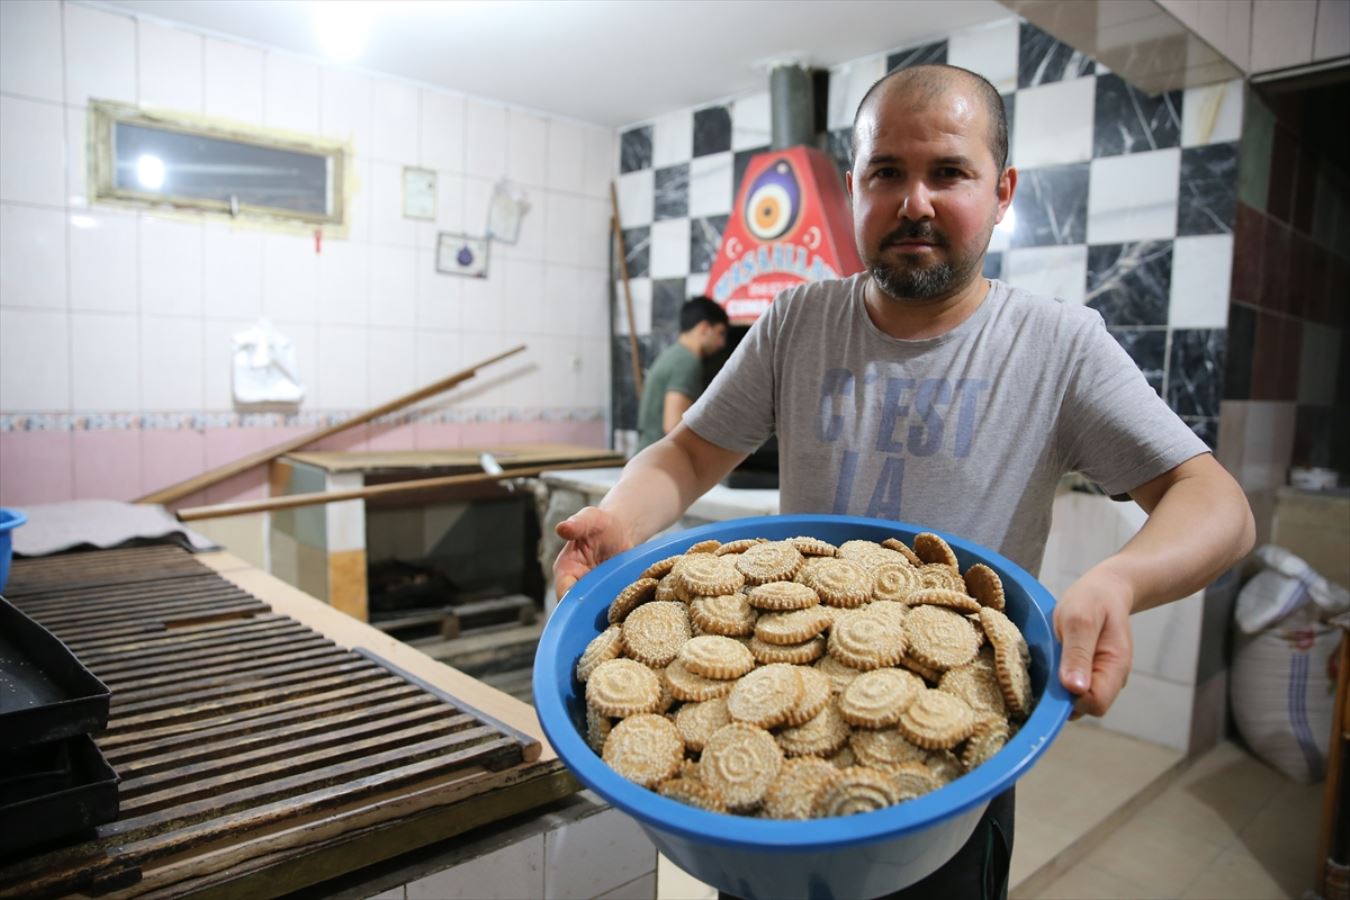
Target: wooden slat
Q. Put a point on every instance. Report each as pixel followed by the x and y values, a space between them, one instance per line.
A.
pixel 99 596
pixel 179 666
pixel 282 659
pixel 204 689
pixel 156 631
pixel 158 611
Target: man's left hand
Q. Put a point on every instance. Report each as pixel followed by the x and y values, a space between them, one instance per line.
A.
pixel 1092 620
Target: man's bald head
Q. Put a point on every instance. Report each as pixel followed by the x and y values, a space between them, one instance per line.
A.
pixel 926 83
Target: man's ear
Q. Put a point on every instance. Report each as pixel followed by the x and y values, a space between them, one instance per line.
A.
pixel 848 183
pixel 1007 186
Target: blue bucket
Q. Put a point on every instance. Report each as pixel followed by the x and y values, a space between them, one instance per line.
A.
pixel 848 857
pixel 9 520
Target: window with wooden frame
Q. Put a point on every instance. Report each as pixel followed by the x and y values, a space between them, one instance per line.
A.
pixel 158 159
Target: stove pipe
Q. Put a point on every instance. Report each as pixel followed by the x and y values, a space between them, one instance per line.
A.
pixel 793 113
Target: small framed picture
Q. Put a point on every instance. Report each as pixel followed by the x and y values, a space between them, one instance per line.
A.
pixel 419 193
pixel 459 254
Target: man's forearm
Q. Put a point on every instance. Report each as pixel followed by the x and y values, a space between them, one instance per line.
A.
pixel 661 482
pixel 1201 526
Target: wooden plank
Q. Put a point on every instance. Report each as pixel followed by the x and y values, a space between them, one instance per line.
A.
pixel 161 611
pixel 279 659
pixel 188 641
pixel 243 729
pixel 193 712
pixel 342 758
pixel 115 595
pixel 160 633
pixel 242 652
pixel 274 746
pixel 33 582
pixel 467 457
pixel 135 703
pixel 335 845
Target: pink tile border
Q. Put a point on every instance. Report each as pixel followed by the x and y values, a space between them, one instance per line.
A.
pixel 36 467
pixel 107 465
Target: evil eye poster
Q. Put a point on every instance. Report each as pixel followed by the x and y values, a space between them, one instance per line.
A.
pixel 790 225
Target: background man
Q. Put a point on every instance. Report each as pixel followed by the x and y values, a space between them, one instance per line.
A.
pixel 675 380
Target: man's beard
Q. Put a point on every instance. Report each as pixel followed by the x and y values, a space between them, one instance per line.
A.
pixel 937 280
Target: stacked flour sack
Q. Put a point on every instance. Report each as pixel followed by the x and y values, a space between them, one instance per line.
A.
pixel 796 679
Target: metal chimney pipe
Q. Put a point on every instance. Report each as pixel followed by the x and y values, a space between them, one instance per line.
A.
pixel 793 107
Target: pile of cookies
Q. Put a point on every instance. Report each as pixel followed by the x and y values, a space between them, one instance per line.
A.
pixel 795 679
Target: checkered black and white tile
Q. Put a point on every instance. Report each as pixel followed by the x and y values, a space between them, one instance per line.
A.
pixel 1125 202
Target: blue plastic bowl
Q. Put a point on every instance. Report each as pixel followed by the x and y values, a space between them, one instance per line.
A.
pixel 855 856
pixel 9 520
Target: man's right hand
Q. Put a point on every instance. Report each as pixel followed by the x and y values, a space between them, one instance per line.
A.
pixel 592 536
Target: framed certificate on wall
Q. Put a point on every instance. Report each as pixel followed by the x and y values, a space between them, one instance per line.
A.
pixel 459 254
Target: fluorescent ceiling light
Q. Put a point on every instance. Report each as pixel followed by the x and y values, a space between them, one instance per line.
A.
pixel 342 27
pixel 150 171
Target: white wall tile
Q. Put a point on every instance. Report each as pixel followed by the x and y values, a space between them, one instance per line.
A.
pixel 670 248
pixel 170 61
pixel 76 163
pixel 597 233
pixel 1332 39
pixel 848 84
pixel 344 283
pixel 393 286
pixel 562 303
pixel 643 888
pixel 710 185
pixel 641 290
pixel 673 139
pixel 438 355
pixel 105 363
pixel 556 380
pixel 30 49
pixel 100 55
pixel 1053 123
pixel 1237 41
pixel 988 50
pixel 345 522
pixel 566 149
pixel 485 140
pixel 290 278
pixel 440 296
pixel 290 93
pixel 750 125
pixel 32 152
pixel 104 261
pixel 171 266
pixel 392 357
pixel 1282 33
pixel 449 210
pixel 593 385
pixel 173 366
pixel 636 196
pixel 345 108
pixel 1201 268
pixel 1054 271
pixel 387 222
pixel 1133 197
pixel 1211 114
pixel 442 131
pixel 1167 640
pixel 511 873
pixel 562 227
pixel 234 81
pixel 233 282
pixel 1152 709
pixel 597 854
pixel 696 284
pixel 1318 364
pixel 523 296
pixel 342 368
pixel 396 122
pixel 218 358
pixel 34 360
pixel 592 303
pixel 483 303
pixel 600 160
pixel 527 142
pixel 359 199
pixel 32 257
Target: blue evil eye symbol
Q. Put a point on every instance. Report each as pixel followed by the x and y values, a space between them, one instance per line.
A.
pixel 465 256
pixel 774 201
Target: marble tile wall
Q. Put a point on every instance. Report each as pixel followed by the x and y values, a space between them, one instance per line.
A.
pixel 1126 202
pixel 115 324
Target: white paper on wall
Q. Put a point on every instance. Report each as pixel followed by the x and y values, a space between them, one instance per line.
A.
pixel 509 205
pixel 264 367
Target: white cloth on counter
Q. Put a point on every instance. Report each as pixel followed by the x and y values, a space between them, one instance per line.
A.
pixel 100 524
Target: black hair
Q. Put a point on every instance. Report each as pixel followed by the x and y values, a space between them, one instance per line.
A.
pixel 701 309
pixel 934 78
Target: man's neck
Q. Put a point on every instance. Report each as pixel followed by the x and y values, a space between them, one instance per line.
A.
pixel 918 321
pixel 690 342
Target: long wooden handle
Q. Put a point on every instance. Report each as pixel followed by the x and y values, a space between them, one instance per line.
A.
pixel 627 292
pixel 243 507
pixel 220 473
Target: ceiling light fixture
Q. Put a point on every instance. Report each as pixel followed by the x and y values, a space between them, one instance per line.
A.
pixel 342 26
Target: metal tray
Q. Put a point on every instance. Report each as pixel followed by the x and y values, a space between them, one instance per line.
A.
pixel 46 693
pixel 34 771
pixel 69 813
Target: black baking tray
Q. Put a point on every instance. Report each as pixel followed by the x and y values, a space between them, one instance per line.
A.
pixel 64 815
pixel 46 693
pixel 35 771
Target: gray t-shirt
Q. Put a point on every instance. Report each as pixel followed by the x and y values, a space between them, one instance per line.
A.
pixel 968 432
